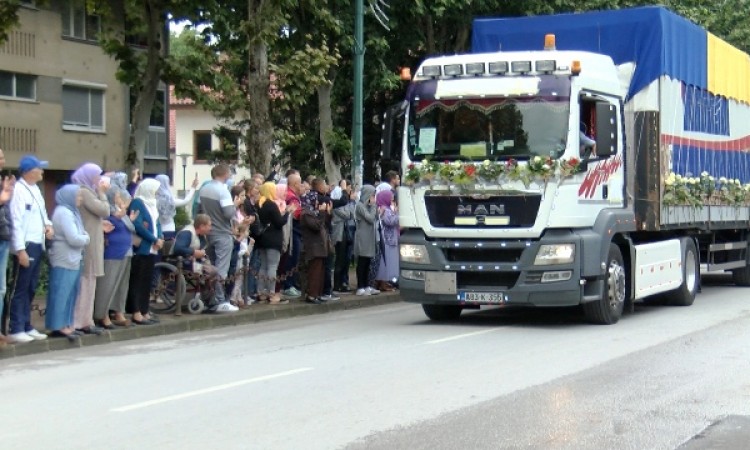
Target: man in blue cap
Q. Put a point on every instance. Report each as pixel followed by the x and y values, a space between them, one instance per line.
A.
pixel 31 227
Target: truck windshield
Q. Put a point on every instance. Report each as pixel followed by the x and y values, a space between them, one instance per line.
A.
pixel 488 128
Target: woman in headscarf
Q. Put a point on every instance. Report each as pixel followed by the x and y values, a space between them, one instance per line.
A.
pixel 65 256
pixel 389 233
pixel 120 180
pixel 112 288
pixel 94 210
pixel 269 242
pixel 167 205
pixel 142 265
pixel 365 238
pixel 316 215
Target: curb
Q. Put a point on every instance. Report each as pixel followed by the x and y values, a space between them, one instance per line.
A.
pixel 190 323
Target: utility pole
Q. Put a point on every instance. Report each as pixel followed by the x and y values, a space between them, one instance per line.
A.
pixel 359 62
pixel 376 6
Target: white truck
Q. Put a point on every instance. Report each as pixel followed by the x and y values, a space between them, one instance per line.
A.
pixel 504 203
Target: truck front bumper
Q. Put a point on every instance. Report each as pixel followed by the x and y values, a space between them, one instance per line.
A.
pixel 494 272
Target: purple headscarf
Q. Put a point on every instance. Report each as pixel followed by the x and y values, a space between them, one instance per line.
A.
pixel 384 198
pixel 87 175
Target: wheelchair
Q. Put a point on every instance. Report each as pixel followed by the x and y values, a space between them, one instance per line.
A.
pixel 179 286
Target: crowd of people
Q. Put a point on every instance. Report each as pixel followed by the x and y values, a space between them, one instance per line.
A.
pixel 269 239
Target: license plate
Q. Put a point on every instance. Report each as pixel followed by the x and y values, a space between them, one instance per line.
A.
pixel 492 298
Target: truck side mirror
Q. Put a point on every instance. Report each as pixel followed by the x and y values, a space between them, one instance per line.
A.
pixel 606 129
pixel 392 133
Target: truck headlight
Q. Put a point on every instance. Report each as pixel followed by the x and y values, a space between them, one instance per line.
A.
pixel 549 254
pixel 416 254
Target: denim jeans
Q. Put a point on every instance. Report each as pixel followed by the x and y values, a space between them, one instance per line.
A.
pixel 61 297
pixel 251 278
pixel 26 281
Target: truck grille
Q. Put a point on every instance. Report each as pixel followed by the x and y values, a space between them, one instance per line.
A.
pixel 483 255
pixel 514 211
pixel 489 279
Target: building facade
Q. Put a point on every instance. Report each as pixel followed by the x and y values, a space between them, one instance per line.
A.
pixel 197 137
pixel 60 99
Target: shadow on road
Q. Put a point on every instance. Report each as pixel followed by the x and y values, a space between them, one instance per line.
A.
pixel 561 318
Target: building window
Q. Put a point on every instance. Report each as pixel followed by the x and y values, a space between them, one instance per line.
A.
pixel 202 146
pixel 83 108
pixel 229 141
pixel 77 23
pixel 17 85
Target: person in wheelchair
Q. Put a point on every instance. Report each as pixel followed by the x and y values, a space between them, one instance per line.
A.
pixel 190 243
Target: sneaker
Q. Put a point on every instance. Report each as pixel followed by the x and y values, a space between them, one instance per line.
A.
pixel 372 291
pixel 292 292
pixel 37 336
pixel 20 338
pixel 329 298
pixel 362 292
pixel 226 307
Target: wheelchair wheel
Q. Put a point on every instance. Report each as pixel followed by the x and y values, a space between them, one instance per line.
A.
pixel 170 283
pixel 196 305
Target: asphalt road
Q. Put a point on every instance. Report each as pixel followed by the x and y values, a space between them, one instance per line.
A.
pixel 387 378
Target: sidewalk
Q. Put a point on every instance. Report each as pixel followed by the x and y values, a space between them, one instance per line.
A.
pixel 171 324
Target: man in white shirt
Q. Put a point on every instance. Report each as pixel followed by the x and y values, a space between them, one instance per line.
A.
pixel 31 227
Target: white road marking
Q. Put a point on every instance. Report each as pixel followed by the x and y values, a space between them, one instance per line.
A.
pixel 209 390
pixel 460 336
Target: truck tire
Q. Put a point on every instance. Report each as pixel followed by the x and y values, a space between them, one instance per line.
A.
pixel 442 313
pixel 608 309
pixel 691 272
pixel 741 276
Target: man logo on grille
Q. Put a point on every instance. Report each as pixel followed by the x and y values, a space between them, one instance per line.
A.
pixel 481 210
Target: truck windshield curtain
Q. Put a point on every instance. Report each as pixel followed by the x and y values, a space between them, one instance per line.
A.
pixel 488 128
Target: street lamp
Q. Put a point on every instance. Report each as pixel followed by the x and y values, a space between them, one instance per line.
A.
pixel 184 157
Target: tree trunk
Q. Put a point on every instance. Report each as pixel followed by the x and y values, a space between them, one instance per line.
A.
pixel 429 35
pixel 259 138
pixel 333 168
pixel 147 86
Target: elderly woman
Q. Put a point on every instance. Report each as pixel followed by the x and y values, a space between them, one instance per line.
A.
pixel 142 265
pixel 112 288
pixel 94 210
pixel 65 258
pixel 167 204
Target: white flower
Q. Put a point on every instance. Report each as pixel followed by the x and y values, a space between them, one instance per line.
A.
pixel 425 162
pixel 678 177
pixel 722 180
pixel 693 181
pixel 537 159
pixel 737 182
pixel 711 178
pixel 704 174
pixel 669 181
pixel 672 178
pixel 456 164
pixel 547 167
pixel 486 163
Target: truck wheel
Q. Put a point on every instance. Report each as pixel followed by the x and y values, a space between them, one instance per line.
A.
pixel 741 277
pixel 685 294
pixel 608 309
pixel 442 313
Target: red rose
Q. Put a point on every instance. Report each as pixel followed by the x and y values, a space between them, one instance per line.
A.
pixel 411 166
pixel 470 170
pixel 573 161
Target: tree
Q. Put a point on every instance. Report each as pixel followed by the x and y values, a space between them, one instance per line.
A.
pixel 8 17
pixel 141 52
